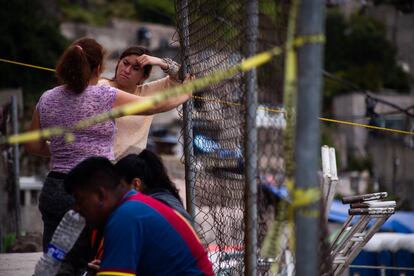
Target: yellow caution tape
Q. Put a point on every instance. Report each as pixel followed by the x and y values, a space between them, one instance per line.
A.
pixel 259 59
pixel 303 197
pixel 367 126
pixel 308 39
pixel 298 42
pixel 26 64
pixel 289 97
pixel 133 108
pixel 33 135
pixel 273 110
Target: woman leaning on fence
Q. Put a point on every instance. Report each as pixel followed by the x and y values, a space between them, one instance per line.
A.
pixel 133 68
pixel 78 97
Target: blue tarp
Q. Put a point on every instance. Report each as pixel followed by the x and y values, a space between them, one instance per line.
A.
pixel 378 250
pixel 400 222
pixel 388 250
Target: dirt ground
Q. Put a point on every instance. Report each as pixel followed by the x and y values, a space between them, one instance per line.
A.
pixel 18 264
pixel 30 242
pixel 26 253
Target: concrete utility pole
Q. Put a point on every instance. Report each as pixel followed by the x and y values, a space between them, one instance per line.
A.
pixel 250 82
pixel 310 60
pixel 16 167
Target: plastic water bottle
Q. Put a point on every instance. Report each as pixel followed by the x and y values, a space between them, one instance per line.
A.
pixel 62 242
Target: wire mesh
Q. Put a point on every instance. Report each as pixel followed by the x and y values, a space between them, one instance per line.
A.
pixel 215 42
pixel 8 200
pixel 270 122
pixel 213 33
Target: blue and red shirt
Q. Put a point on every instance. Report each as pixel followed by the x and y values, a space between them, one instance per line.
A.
pixel 145 237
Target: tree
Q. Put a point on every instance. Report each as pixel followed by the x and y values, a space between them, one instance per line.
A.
pixel 98 12
pixel 357 50
pixel 405 6
pixel 28 35
pixel 160 11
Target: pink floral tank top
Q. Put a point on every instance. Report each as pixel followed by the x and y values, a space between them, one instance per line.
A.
pixel 60 107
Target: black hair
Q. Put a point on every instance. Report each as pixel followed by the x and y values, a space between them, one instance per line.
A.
pixel 148 167
pixel 92 173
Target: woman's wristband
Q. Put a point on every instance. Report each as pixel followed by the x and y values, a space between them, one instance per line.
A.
pixel 172 69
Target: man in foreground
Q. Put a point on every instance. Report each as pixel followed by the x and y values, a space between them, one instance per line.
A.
pixel 142 236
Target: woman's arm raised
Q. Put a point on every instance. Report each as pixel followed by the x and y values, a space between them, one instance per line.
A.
pixel 126 98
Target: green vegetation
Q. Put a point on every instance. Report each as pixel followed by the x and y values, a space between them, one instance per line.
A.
pixel 357 50
pixel 7 241
pixel 160 11
pixel 98 12
pixel 29 36
pixel 359 163
pixel 405 6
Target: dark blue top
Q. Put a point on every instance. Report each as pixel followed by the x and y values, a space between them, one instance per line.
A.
pixel 145 237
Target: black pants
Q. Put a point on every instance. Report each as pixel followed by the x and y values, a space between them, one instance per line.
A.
pixel 54 202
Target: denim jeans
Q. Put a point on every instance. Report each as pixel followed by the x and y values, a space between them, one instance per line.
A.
pixel 54 202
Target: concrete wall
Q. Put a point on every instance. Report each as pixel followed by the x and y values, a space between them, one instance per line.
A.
pixel 393 162
pixel 29 201
pixel 120 34
pixel 352 107
pixel 400 31
pixel 392 155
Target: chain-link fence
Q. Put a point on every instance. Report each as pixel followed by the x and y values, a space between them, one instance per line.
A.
pixel 9 166
pixel 213 37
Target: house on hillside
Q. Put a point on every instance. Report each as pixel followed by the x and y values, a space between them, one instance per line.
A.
pixel 391 154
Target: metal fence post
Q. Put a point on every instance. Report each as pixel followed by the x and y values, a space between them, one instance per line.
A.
pixel 16 165
pixel 250 80
pixel 310 57
pixel 187 111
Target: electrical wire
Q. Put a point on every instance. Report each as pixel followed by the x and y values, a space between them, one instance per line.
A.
pixel 368 93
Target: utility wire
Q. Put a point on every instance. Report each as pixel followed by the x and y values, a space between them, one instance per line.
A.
pixel 368 93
